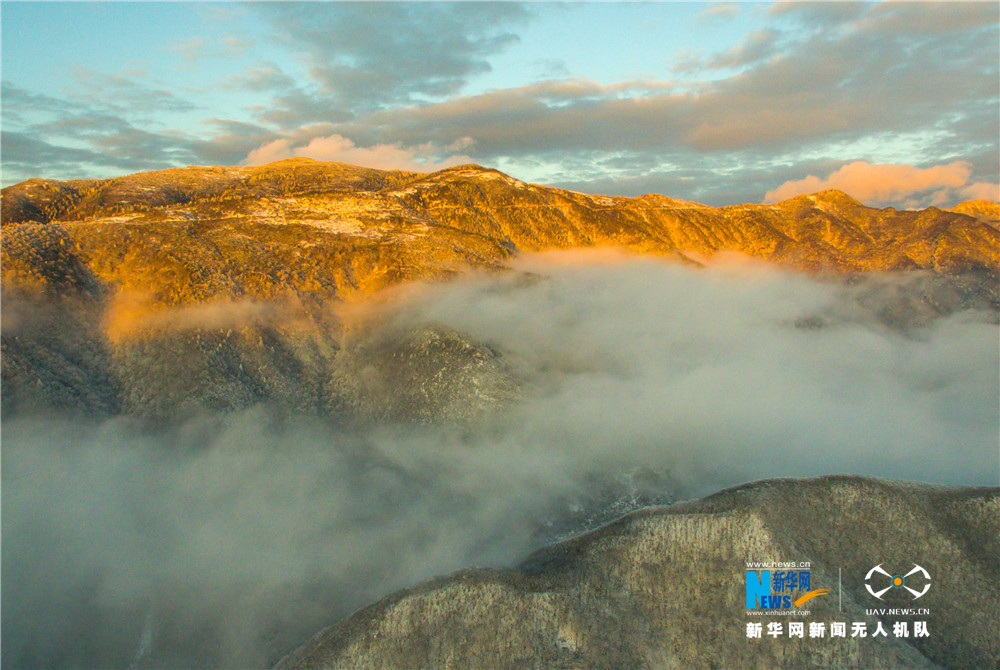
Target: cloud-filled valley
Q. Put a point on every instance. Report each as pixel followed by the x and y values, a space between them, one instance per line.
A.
pixel 590 384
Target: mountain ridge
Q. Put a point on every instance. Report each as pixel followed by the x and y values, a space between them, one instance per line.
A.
pixel 334 230
pixel 650 589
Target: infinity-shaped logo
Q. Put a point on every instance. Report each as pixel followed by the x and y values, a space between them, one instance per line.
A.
pixel 896 581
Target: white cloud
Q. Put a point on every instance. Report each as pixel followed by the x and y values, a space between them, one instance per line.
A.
pixel 898 185
pixel 981 190
pixel 421 158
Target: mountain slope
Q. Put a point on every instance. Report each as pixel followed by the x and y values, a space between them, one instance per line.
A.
pixel 664 588
pixel 982 209
pixel 330 230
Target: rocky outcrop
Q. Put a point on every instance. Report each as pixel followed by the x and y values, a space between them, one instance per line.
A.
pixel 664 588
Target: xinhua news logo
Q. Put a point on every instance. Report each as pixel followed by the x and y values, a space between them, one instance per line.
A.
pixel 780 589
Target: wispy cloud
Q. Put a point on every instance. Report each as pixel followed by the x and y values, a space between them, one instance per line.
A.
pixel 264 76
pixel 719 12
pixel 189 48
pixel 127 91
pixel 45 136
pixel 758 46
pixel 367 55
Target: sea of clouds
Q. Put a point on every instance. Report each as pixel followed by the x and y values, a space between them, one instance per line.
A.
pixel 227 539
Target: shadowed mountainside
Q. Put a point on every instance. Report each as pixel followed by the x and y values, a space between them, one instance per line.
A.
pixel 664 588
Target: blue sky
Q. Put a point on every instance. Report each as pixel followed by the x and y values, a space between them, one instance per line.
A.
pixel 720 103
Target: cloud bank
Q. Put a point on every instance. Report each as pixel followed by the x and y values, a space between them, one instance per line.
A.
pixel 802 89
pixel 338 148
pixel 903 186
pixel 226 540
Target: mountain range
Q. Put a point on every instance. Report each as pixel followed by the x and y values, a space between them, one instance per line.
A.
pixel 212 286
pixel 326 373
pixel 333 230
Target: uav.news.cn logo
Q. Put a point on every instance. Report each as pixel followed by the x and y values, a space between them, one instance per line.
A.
pixel 897 581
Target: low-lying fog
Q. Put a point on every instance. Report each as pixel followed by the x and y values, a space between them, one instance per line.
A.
pixel 229 539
